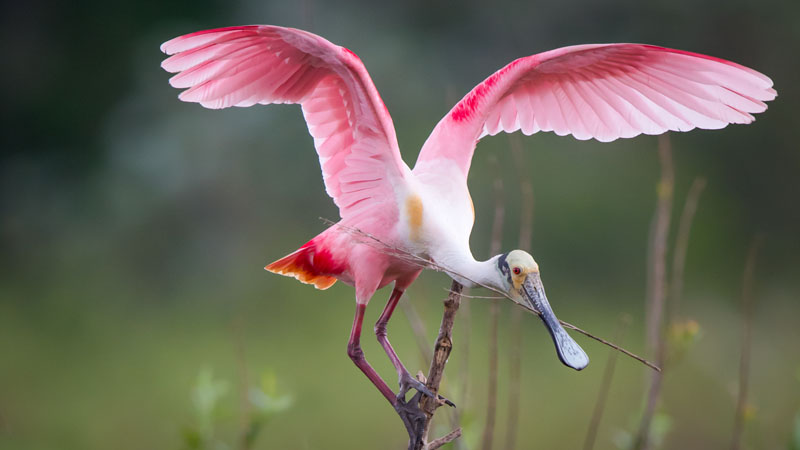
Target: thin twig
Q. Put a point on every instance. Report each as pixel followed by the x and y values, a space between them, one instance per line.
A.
pixel 658 256
pixel 610 344
pixel 657 278
pixel 515 349
pixel 682 244
pixel 514 377
pixel 446 439
pixel 488 297
pixel 656 297
pixel 605 386
pixel 747 331
pixel 494 312
pixel 441 351
pixel 369 239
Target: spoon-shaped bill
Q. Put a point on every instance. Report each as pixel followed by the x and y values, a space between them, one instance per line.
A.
pixel 569 352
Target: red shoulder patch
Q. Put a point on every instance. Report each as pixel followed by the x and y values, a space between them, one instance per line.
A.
pixel 351 53
pixel 467 106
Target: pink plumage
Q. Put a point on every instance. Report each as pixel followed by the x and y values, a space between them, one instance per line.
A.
pixel 602 91
pixel 393 217
pixel 353 133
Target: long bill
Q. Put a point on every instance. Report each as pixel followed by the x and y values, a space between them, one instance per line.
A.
pixel 569 352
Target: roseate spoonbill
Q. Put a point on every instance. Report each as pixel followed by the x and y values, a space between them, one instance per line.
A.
pixel 603 91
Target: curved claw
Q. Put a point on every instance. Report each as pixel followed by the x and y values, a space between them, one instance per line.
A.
pixel 408 382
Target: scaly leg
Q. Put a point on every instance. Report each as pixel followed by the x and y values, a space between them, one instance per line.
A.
pixel 357 355
pixel 409 411
pixel 404 377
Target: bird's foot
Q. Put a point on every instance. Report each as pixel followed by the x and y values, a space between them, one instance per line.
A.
pixel 410 412
pixel 413 418
pixel 408 382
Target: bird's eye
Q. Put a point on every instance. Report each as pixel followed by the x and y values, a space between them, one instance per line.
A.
pixel 517 271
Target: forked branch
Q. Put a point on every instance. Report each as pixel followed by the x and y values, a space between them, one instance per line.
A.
pixel 441 351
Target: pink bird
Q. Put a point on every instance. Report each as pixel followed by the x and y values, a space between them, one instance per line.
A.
pixel 601 91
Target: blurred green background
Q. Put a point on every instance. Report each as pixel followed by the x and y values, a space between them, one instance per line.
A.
pixel 134 229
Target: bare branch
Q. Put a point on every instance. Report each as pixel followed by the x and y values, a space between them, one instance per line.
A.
pixel 658 255
pixel 747 331
pixel 656 297
pixel 682 242
pixel 605 386
pixel 441 351
pixel 514 377
pixel 515 348
pixel 494 312
pixel 526 187
pixel 446 439
pixel 489 297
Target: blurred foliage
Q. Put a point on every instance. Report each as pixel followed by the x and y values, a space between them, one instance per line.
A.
pixel 681 337
pixel 794 443
pixel 134 229
pixel 660 427
pixel 263 402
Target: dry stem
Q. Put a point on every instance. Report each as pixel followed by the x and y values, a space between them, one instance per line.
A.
pixel 447 438
pixel 657 281
pixel 605 386
pixel 494 314
pixel 515 347
pixel 682 243
pixel 747 330
pixel 658 253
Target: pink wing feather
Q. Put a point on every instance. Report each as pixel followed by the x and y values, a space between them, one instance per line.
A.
pixel 602 91
pixel 353 132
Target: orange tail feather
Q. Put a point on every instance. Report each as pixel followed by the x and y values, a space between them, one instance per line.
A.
pixel 299 265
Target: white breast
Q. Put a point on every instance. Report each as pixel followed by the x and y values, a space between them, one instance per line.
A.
pixel 447 213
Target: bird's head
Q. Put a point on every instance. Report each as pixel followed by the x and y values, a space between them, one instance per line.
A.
pixel 519 278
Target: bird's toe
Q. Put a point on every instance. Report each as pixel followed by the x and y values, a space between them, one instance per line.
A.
pixel 408 382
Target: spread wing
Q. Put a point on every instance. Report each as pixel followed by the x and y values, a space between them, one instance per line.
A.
pixel 353 132
pixel 602 91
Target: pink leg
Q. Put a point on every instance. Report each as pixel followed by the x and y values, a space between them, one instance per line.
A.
pixel 380 331
pixel 410 413
pixel 357 355
pixel 405 379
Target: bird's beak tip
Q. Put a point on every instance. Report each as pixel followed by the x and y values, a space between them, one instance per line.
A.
pixel 569 352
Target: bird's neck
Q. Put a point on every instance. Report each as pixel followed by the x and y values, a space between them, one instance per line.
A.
pixel 469 272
